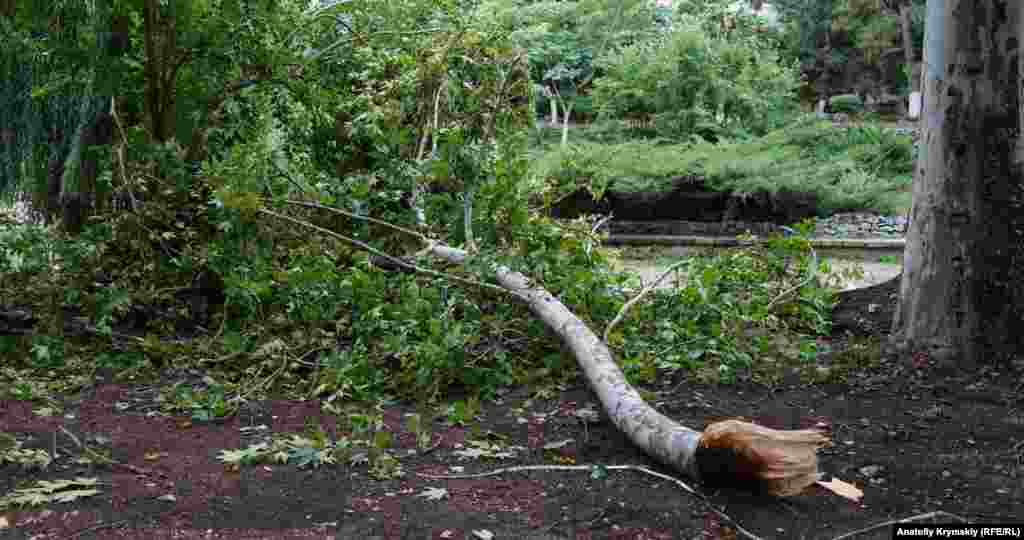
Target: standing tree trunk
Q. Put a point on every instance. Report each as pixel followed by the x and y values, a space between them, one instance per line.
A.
pixel 160 69
pixel 962 292
pixel 79 194
pixel 908 41
pixel 567 108
pixel 554 109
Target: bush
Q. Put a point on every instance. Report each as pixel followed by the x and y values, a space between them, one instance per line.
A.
pixel 692 84
pixel 846 103
pixel 861 167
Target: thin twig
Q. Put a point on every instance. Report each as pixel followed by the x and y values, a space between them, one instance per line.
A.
pixel 797 287
pixel 353 215
pixel 686 487
pixel 597 226
pixel 224 318
pixel 919 517
pixel 89 451
pixel 120 153
pixel 266 382
pixel 622 312
pixel 100 526
pixel 390 258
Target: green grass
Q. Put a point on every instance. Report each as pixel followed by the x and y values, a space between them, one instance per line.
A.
pixel 863 168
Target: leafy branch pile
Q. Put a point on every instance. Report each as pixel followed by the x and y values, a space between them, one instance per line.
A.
pixel 184 217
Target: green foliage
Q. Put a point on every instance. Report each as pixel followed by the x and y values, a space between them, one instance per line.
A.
pixel 845 25
pixel 855 168
pixel 739 312
pixel 204 404
pixel 579 167
pixel 846 103
pixel 462 412
pixel 276 102
pixel 690 84
pixel 50 492
pixel 562 40
pixel 808 24
pixel 874 30
pixel 25 249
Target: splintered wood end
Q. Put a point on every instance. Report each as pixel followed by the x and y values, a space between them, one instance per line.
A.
pixel 779 462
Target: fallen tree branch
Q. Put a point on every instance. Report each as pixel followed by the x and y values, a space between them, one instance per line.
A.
pixel 353 215
pixel 779 462
pixel 390 258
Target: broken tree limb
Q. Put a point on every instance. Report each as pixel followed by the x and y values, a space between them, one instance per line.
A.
pixel 780 462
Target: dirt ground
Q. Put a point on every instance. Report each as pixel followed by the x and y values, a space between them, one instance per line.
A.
pixel 915 439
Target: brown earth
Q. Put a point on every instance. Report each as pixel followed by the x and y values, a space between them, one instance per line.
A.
pixel 916 440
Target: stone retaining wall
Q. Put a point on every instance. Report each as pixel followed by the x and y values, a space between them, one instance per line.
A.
pixel 693 228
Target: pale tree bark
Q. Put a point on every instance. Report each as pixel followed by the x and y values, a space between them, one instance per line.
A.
pixel 778 462
pixel 565 123
pixel 554 108
pixel 731 451
pixel 962 291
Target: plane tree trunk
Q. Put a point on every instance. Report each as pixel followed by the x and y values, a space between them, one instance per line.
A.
pixel 962 291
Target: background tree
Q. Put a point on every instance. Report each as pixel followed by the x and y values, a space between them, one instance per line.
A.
pixel 961 296
pixel 60 68
pixel 903 10
pixel 563 39
pixel 690 83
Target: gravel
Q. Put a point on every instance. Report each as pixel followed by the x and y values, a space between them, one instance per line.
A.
pixel 861 225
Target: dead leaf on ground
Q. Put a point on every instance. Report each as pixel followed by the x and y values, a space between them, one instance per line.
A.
pixel 843 489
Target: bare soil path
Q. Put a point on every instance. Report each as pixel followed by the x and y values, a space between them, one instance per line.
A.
pixel 914 439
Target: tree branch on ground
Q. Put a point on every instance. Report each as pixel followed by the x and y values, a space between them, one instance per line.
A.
pixel 390 258
pixel 779 462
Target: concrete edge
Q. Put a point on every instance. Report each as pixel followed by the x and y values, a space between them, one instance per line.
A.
pixel 675 240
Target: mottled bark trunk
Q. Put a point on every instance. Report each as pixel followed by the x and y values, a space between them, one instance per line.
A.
pixel 908 41
pixel 962 293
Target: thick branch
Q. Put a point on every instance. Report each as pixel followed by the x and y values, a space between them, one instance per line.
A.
pixel 781 462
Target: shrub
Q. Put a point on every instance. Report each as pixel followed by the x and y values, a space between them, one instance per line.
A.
pixel 846 103
pixel 693 84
